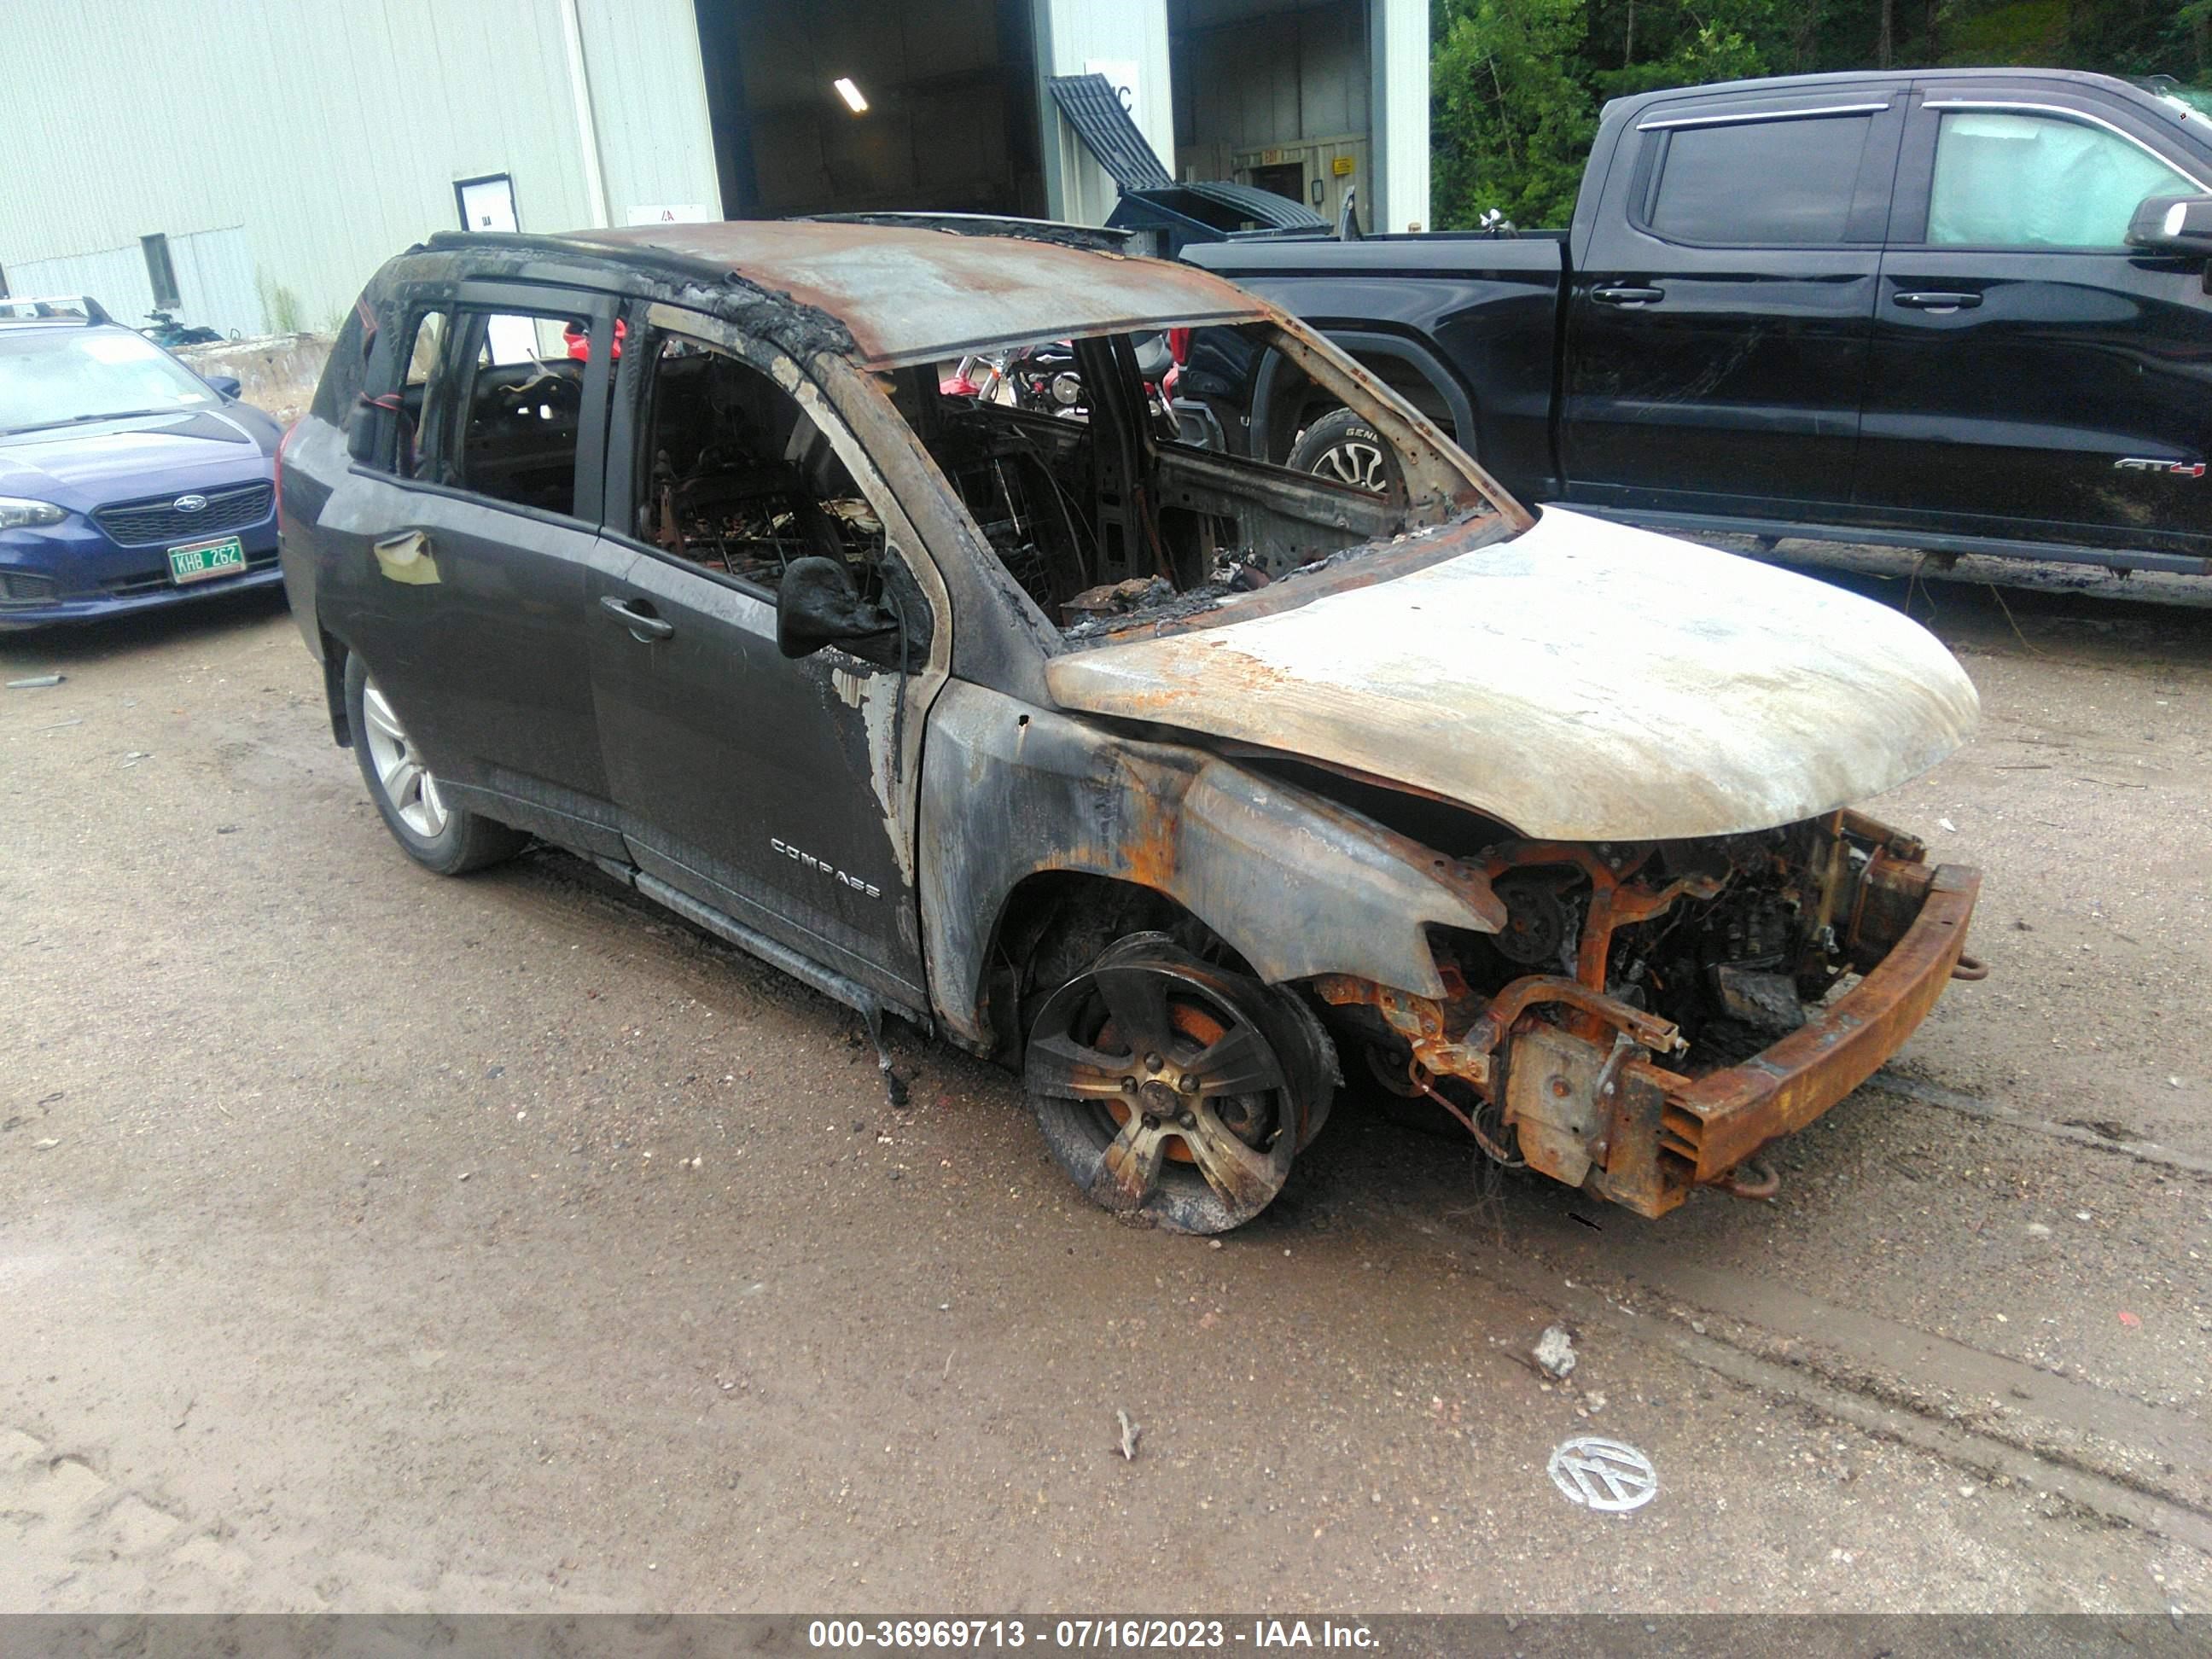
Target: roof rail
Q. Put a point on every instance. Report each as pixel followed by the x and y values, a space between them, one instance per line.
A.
pixel 1103 239
pixel 53 308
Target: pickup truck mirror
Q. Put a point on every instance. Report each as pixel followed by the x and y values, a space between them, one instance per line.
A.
pixel 2172 224
pixel 816 604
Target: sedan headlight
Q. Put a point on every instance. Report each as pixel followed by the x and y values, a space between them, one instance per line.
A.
pixel 17 512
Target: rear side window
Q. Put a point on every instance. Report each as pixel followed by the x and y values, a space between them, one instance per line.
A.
pixel 1760 183
pixel 426 345
pixel 2018 180
pixel 519 407
pixel 389 429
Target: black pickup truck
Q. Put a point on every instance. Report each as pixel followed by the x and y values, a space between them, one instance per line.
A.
pixel 1967 311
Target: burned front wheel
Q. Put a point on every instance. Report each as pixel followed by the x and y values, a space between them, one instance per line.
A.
pixel 1173 1090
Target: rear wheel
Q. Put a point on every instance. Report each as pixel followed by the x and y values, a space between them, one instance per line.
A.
pixel 1344 449
pixel 1172 1090
pixel 436 834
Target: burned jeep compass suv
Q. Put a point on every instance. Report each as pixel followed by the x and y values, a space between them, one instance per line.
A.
pixel 1183 783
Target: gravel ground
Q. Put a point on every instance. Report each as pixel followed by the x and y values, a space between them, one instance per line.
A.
pixel 369 1241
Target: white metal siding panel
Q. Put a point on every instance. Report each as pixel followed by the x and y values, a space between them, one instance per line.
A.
pixel 1399 52
pixel 1070 33
pixel 330 130
pixel 214 280
pixel 649 98
pixel 214 283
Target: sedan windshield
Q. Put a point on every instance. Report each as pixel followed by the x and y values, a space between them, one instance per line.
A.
pixel 62 377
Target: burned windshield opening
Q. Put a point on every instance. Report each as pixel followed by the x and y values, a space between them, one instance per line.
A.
pixel 1102 474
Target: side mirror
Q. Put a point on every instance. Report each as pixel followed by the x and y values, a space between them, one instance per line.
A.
pixel 226 384
pixel 2173 225
pixel 816 604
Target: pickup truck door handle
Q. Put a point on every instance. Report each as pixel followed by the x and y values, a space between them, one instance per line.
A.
pixel 644 627
pixel 1628 296
pixel 1919 301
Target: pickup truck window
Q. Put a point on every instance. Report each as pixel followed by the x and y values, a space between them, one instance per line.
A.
pixel 2013 179
pixel 1759 184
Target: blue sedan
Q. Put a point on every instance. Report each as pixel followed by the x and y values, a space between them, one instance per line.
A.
pixel 126 481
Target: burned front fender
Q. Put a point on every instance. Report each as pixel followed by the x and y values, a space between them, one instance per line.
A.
pixel 1296 886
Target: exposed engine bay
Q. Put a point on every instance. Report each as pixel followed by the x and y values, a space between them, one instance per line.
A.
pixel 1662 964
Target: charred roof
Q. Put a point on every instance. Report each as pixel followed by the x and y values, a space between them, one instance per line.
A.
pixel 909 293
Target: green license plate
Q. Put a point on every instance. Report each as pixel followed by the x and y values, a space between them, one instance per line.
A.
pixel 196 562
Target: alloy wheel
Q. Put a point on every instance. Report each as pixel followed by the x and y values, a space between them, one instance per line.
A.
pixel 1352 461
pixel 406 782
pixel 1157 1084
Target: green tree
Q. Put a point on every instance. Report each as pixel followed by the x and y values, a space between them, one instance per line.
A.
pixel 1638 46
pixel 1511 111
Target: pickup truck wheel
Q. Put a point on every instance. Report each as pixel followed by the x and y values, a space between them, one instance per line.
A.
pixel 437 835
pixel 1171 1091
pixel 1342 447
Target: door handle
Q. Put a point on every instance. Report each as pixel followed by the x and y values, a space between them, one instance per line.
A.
pixel 1628 296
pixel 1918 301
pixel 644 627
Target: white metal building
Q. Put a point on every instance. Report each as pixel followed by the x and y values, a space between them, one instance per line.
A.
pixel 247 163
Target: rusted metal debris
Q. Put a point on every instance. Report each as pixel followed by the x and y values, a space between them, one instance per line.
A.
pixel 1570 1077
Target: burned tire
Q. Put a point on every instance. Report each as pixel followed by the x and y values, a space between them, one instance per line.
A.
pixel 1173 1092
pixel 450 840
pixel 1344 449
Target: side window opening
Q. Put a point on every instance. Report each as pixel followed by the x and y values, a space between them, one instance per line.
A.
pixel 424 348
pixel 734 476
pixel 1093 468
pixel 2014 179
pixel 388 427
pixel 1759 184
pixel 520 406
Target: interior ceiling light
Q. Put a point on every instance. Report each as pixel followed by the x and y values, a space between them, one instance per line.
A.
pixel 851 94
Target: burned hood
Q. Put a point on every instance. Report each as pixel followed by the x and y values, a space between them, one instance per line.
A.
pixel 1583 681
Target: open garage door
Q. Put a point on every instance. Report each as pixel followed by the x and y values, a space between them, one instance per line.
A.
pixel 1276 94
pixel 948 115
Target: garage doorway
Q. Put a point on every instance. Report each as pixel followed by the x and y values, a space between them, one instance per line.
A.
pixel 1277 94
pixel 949 117
pixel 1287 180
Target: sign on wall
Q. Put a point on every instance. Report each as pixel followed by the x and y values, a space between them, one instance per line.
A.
pixel 673 213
